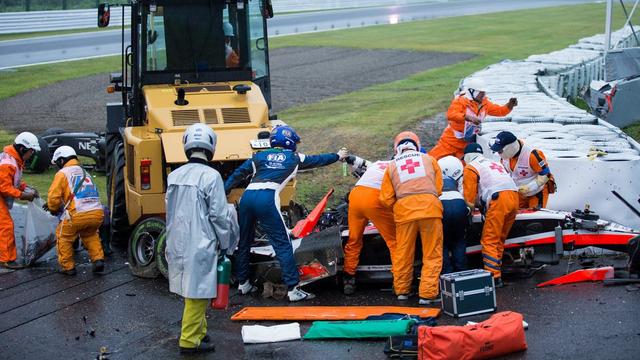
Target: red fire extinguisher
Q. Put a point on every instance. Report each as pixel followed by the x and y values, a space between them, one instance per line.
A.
pixel 224 274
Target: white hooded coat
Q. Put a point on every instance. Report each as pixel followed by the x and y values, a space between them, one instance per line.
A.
pixel 200 223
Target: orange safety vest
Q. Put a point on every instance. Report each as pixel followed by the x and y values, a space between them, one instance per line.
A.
pixel 6 159
pixel 408 172
pixel 86 198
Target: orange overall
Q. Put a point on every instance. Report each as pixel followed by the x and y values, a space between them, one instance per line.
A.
pixel 364 205
pixel 451 141
pixel 411 186
pixel 84 219
pixel 10 171
pixel 500 215
pixel 535 165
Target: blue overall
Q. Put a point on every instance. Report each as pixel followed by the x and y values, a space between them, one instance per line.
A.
pixel 454 223
pixel 270 171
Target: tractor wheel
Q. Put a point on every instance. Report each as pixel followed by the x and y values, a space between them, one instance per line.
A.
pixel 161 259
pixel 111 142
pixel 142 253
pixel 119 229
pixel 41 160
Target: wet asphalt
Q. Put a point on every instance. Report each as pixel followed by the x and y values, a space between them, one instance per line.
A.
pixel 47 315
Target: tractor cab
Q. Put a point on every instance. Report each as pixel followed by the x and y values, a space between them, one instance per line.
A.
pixel 183 62
pixel 182 42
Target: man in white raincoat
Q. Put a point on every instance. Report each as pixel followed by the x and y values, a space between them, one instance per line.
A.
pixel 200 227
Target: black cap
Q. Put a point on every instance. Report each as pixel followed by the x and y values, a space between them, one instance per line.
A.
pixel 502 139
pixel 473 148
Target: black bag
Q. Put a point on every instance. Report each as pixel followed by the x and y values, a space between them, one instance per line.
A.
pixel 402 347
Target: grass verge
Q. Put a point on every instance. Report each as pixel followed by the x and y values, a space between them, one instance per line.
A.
pixel 15 81
pixel 633 131
pixel 366 120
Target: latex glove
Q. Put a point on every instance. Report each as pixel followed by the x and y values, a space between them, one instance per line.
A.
pixel 513 102
pixel 27 195
pixel 342 154
pixel 45 207
pixel 523 189
pixel 472 118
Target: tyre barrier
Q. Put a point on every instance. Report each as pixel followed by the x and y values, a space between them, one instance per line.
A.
pixel 616 143
pixel 491 119
pixel 498 126
pixel 566 154
pixel 619 157
pixel 587 129
pixel 544 127
pixel 557 147
pixel 544 116
pixel 531 119
pixel 603 137
pixel 520 134
pixel 554 135
pixel 575 120
pixel 617 150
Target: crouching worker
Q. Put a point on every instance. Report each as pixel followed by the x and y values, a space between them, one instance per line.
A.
pixel 12 187
pixel 499 196
pixel 75 197
pixel 411 186
pixel 364 205
pixel 198 231
pixel 270 171
pixel 454 217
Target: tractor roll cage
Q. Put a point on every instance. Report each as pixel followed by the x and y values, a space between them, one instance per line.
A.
pixel 136 56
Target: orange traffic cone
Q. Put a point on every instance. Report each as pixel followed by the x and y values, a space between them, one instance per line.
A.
pixel 596 274
pixel 304 227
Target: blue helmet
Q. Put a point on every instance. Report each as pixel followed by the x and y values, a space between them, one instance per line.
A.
pixel 284 137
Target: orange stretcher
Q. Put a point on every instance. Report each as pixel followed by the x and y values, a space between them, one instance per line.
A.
pixel 311 313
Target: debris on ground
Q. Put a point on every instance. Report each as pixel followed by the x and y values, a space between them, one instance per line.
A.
pixel 104 352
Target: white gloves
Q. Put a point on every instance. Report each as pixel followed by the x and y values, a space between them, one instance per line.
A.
pixel 534 186
pixel 342 154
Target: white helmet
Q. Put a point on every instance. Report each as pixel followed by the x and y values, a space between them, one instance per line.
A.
pixel 28 140
pixel 473 86
pixel 228 29
pixel 451 166
pixel 475 83
pixel 62 152
pixel 199 136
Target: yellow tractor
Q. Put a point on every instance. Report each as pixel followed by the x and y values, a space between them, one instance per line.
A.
pixel 188 61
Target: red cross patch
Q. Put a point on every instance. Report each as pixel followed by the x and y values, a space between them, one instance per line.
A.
pixel 410 166
pixel 496 167
pixel 524 173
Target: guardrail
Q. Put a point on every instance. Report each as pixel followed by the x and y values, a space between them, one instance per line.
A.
pixel 35 21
